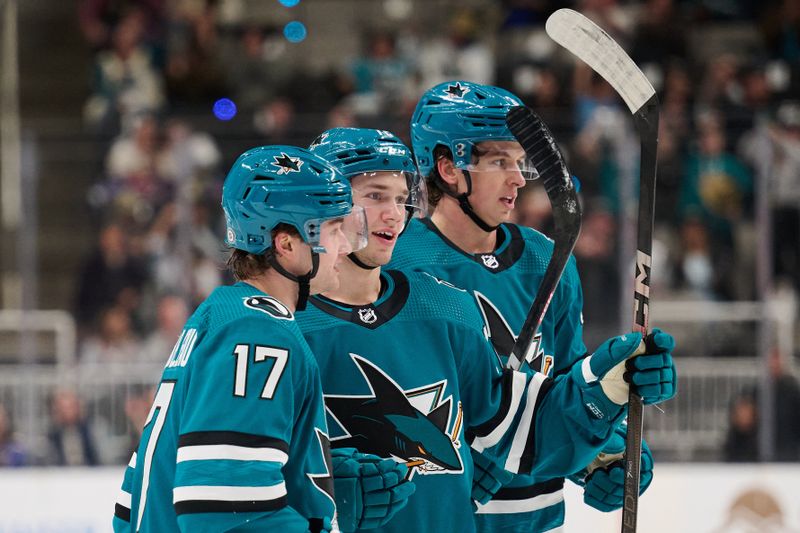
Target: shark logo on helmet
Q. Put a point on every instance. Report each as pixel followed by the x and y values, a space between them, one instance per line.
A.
pixel 287 163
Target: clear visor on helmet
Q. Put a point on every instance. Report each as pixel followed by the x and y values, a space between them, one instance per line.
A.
pixel 339 235
pixel 494 158
pixel 401 194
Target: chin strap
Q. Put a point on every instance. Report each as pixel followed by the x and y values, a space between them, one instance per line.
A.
pixel 463 202
pixel 304 281
pixel 358 262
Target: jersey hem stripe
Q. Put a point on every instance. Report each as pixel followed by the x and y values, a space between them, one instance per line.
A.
pixel 521 506
pixel 229 452
pixel 216 506
pixel 234 438
pixel 123 513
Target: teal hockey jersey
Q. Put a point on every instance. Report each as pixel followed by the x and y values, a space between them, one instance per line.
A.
pixel 413 377
pixel 236 437
pixel 509 277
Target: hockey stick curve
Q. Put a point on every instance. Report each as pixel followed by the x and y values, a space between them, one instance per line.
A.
pixel 536 139
pixel 596 48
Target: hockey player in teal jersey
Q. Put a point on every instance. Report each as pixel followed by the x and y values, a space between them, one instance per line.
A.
pixel 470 161
pixel 408 372
pixel 236 437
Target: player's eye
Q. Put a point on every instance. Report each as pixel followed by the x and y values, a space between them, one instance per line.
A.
pixel 421 449
pixel 375 196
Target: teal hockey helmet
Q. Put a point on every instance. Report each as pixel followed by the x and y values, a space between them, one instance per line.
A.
pixel 362 151
pixel 356 151
pixel 270 185
pixel 456 115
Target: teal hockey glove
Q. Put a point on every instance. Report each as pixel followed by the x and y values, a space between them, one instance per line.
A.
pixel 369 490
pixel 652 372
pixel 487 478
pixel 603 481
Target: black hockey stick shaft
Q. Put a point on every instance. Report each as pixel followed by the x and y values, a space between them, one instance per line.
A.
pixel 540 147
pixel 646 121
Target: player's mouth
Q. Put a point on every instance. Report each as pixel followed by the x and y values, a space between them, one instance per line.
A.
pixel 508 201
pixel 385 236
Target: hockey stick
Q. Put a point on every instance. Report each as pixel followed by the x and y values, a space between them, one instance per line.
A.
pixel 540 147
pixel 594 47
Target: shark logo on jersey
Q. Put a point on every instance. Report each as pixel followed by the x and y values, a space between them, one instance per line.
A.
pixel 269 305
pixel 503 339
pixel 412 426
pixel 324 482
pixel 367 315
pixel 490 261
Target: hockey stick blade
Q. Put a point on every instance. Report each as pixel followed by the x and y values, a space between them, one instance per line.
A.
pixel 597 49
pixel 541 148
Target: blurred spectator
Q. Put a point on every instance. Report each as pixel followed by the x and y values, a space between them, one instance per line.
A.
pixel 741 442
pixel 71 438
pixel 125 80
pixel 259 69
pixel 780 26
pixel 187 153
pixel 194 73
pixel 275 120
pixel 187 267
pixel 541 88
pixel 99 18
pixel 111 275
pixel 172 313
pixel 660 34
pixel 114 340
pixel 460 54
pixel 382 77
pixel 717 187
pixel 698 271
pixel 533 209
pixel 595 253
pixel 135 188
pixel 12 453
pixel 775 148
pixel 787 407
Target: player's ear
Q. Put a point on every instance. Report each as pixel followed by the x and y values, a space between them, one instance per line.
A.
pixel 447 170
pixel 284 243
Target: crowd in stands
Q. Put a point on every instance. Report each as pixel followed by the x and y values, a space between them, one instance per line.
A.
pixel 727 121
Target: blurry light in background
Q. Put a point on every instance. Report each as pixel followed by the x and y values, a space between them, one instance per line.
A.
pixel 224 109
pixel 398 9
pixel 294 31
pixel 289 3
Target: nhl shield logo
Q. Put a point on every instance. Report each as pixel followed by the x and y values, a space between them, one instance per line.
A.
pixel 367 315
pixel 490 261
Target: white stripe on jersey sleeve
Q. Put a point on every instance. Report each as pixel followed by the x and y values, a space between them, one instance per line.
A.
pixel 124 498
pixel 517 386
pixel 230 452
pixel 535 503
pixel 132 462
pixel 228 493
pixel 523 432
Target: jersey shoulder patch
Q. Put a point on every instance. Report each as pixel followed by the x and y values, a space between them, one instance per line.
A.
pixel 268 305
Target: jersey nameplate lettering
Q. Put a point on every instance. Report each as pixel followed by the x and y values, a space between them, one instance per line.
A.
pixel 182 349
